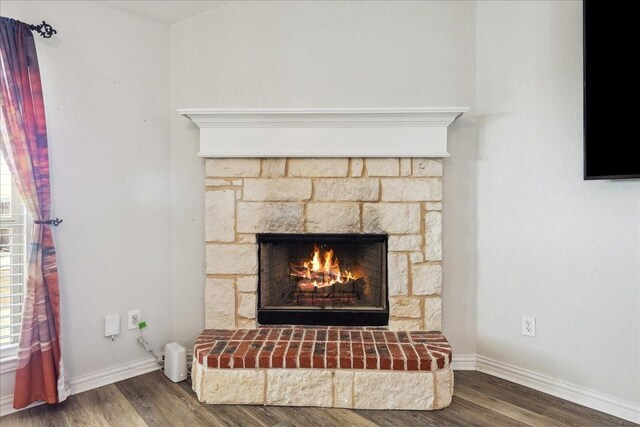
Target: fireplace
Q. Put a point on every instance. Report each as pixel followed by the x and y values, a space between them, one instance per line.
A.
pixel 322 279
pixel 323 217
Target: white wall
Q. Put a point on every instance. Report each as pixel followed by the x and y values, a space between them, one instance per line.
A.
pixel 550 245
pixel 105 82
pixel 323 54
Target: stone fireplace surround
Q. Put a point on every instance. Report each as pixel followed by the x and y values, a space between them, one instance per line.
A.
pixel 398 197
pixel 304 178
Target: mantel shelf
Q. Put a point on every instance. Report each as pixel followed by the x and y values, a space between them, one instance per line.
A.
pixel 411 132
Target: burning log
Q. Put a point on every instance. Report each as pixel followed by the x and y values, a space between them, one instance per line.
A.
pixel 321 281
pixel 356 287
pixel 311 300
pixel 322 270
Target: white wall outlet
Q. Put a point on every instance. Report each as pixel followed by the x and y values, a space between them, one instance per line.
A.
pixel 133 318
pixel 111 325
pixel 529 326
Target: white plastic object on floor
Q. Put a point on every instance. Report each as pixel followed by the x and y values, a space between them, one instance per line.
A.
pixel 175 362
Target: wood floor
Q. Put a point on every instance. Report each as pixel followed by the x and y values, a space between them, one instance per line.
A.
pixel 153 400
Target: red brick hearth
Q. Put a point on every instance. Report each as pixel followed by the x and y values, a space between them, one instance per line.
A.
pixel 324 348
pixel 327 366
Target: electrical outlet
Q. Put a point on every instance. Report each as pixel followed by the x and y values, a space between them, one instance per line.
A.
pixel 133 318
pixel 529 326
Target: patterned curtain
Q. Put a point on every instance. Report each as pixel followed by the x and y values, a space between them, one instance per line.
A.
pixel 40 374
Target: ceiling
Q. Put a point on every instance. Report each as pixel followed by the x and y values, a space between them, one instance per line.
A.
pixel 164 11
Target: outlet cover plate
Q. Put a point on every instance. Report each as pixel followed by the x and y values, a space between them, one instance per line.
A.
pixel 529 326
pixel 131 323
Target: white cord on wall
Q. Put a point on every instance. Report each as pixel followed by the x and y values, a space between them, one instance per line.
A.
pixel 150 349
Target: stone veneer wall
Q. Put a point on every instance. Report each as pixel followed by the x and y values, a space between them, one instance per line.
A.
pixel 399 197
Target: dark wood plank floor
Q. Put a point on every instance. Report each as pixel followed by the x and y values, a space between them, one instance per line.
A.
pixel 153 400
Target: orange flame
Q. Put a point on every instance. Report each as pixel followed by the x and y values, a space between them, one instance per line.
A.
pixel 322 270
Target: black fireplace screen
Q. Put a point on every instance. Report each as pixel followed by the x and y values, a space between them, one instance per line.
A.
pixel 323 279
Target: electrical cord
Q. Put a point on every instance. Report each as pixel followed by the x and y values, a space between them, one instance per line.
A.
pixel 113 347
pixel 149 348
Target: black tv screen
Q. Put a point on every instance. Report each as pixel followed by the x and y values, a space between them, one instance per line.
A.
pixel 609 81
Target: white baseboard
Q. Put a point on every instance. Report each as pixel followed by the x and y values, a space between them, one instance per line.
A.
pixel 112 375
pixel 464 362
pixel 93 380
pixel 561 389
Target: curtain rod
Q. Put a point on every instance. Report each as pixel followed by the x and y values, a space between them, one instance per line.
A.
pixel 44 29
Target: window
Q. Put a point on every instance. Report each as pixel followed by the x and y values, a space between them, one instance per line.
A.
pixel 13 258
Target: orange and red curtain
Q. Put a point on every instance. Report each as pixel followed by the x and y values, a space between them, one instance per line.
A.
pixel 40 373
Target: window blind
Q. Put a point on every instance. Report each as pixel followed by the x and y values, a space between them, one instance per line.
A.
pixel 13 241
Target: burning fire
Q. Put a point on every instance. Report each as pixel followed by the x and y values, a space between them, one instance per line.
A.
pixel 321 271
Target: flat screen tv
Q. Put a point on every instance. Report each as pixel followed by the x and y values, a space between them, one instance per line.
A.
pixel 609 81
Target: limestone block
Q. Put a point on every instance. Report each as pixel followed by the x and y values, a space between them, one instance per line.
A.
pixel 273 168
pixel 383 167
pixel 434 206
pixel 232 167
pixel 283 190
pixel 411 189
pixel 246 323
pixel 392 218
pixel 427 279
pixel 247 284
pixel 356 167
pixel 196 371
pixel 398 273
pixel 433 314
pixel 220 215
pixel 215 182
pixel 220 304
pixel 299 387
pixel 236 386
pixel 270 217
pixel 348 190
pixel 318 167
pixel 405 243
pixel 405 167
pixel 393 390
pixel 416 257
pixel 246 238
pixel 232 259
pixel 443 388
pixel 404 325
pixel 333 218
pixel 343 386
pixel 405 307
pixel 427 167
pixel 433 227
pixel 247 305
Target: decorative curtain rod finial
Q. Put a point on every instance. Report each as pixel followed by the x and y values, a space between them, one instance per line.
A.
pixel 55 222
pixel 44 29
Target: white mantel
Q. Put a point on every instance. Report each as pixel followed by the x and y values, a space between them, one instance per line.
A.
pixel 408 132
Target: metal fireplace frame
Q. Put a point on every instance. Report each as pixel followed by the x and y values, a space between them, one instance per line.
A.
pixel 325 316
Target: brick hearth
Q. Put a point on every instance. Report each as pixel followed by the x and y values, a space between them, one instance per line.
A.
pixel 323 347
pixel 364 368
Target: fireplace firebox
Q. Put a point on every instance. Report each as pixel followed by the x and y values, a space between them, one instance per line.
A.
pixel 323 279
